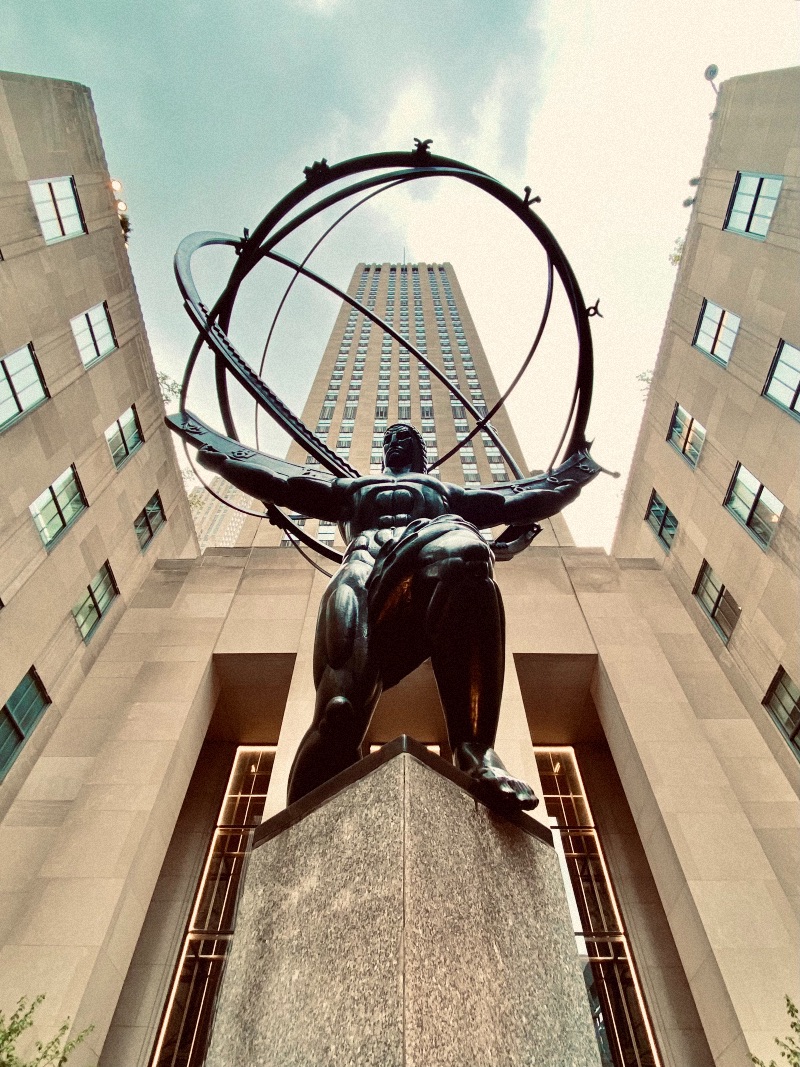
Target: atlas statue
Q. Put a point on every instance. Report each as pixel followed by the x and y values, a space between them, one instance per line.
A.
pixel 415 580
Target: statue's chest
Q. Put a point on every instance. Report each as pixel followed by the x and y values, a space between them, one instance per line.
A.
pixel 390 505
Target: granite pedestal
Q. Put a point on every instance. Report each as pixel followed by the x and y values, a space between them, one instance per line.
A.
pixel 391 919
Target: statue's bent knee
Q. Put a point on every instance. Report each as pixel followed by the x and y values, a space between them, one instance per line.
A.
pixel 339 721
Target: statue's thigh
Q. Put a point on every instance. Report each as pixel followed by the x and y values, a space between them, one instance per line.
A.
pixel 341 624
pixel 397 619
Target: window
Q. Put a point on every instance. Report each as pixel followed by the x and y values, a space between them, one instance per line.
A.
pixel 661 519
pixel 149 520
pixel 18 716
pixel 94 335
pixel 59 210
pixel 124 437
pixel 716 332
pixel 783 383
pixel 753 505
pixel 782 701
pixel 686 434
pixel 716 601
pixel 617 1007
pixel 22 386
pixel 58 506
pixel 100 593
pixel 186 1022
pixel 752 204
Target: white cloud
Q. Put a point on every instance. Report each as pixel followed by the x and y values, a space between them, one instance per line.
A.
pixel 414 112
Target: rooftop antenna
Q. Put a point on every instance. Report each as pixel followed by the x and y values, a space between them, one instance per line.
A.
pixel 710 74
pixel 404 255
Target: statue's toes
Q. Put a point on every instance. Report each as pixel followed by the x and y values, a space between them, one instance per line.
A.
pixel 522 793
pixel 526 797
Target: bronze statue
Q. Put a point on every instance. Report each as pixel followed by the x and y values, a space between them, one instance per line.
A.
pixel 415 581
pixel 416 576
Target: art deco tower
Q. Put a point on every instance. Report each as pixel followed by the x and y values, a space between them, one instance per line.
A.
pixel 367 380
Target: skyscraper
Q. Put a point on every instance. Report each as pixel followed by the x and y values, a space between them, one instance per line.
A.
pixel 367 381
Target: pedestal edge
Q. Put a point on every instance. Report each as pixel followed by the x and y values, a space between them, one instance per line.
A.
pixel 404 744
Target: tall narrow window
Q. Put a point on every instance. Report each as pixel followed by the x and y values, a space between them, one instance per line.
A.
pixel 716 602
pixel 94 334
pixel 783 703
pixel 186 1023
pixel 662 521
pixel 686 434
pixel 58 208
pixel 716 331
pixel 18 717
pixel 93 606
pixel 124 436
pixel 58 506
pixel 753 505
pixel 783 383
pixel 752 204
pixel 149 520
pixel 22 386
pixel 621 1024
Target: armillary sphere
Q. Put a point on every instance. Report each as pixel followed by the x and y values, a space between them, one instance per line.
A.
pixel 363 177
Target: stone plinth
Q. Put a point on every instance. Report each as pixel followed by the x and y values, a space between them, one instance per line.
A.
pixel 394 920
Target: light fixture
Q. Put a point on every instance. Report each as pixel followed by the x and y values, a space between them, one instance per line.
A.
pixel 116 185
pixel 121 206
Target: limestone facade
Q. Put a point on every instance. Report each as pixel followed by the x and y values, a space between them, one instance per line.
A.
pixel 48 130
pixel 692 812
pixel 740 395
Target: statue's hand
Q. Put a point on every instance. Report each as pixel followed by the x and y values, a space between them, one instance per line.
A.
pixel 212 460
pixel 246 473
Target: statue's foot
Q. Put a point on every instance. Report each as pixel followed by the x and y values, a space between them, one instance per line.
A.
pixel 486 768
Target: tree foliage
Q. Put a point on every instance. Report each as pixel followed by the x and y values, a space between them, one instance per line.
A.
pixel 790 1048
pixel 52 1053
pixel 677 251
pixel 170 389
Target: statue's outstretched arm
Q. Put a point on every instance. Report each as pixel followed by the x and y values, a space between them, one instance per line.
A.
pixel 267 478
pixel 531 499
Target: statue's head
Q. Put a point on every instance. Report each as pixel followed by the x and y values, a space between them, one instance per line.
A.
pixel 404 449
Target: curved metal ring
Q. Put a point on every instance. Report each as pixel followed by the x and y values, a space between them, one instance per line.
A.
pixel 214 324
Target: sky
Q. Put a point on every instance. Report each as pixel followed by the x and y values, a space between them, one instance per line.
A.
pixel 209 112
